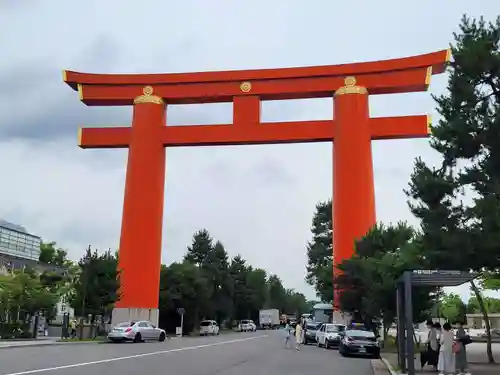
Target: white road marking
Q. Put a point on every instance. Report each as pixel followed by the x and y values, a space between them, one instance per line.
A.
pixel 134 356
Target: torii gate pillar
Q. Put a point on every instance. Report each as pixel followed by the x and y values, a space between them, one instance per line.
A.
pixel 144 192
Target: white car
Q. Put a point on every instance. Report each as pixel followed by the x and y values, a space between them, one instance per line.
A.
pixel 209 327
pixel 247 326
pixel 329 335
pixel 136 331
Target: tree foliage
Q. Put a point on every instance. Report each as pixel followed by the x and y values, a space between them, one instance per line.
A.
pixel 24 292
pixel 459 201
pixel 96 287
pixel 368 281
pixel 209 285
pixel 492 305
pixel 452 308
pixel 51 254
pixel 319 252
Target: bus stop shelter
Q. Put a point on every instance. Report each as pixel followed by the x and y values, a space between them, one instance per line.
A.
pixel 418 278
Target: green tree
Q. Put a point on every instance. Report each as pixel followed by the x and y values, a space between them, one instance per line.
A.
pixel 296 303
pixel 25 291
pixel 368 279
pixel 182 285
pixel 257 289
pixel 452 308
pixel 319 252
pixel 459 202
pixel 210 286
pixel 51 254
pixel 239 292
pixel 200 249
pixel 491 280
pixel 492 305
pixel 212 259
pixel 96 288
pixel 277 295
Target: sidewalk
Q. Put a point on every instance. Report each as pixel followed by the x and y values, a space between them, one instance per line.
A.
pixel 18 343
pixel 45 341
pixel 478 364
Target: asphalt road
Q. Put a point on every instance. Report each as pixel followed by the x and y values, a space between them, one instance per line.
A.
pixel 260 353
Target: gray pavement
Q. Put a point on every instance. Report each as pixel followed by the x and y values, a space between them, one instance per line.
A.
pixel 260 353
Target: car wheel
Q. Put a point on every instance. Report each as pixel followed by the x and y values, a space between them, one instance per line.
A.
pixel 162 337
pixel 326 345
pixel 138 337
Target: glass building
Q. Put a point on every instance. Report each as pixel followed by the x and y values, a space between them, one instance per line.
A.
pixel 17 242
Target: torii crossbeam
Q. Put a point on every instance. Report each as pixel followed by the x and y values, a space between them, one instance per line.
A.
pixel 351 132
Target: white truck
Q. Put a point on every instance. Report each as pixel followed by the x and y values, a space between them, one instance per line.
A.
pixel 269 319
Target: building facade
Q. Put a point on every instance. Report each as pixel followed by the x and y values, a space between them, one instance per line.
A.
pixel 17 242
pixel 20 250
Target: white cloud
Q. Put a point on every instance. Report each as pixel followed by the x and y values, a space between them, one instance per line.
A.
pixel 258 200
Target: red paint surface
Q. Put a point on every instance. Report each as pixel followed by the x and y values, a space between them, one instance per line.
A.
pixel 351 131
pixel 141 233
pixel 353 185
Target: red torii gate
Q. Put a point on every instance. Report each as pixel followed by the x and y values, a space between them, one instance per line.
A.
pixel 351 132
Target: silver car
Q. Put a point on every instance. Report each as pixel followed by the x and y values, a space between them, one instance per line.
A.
pixel 136 331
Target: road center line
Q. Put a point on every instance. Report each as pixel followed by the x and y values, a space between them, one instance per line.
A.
pixel 134 356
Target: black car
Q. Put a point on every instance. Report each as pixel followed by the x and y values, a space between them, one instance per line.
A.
pixel 310 332
pixel 359 342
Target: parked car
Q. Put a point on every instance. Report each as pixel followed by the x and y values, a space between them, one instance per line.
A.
pixel 359 342
pixel 209 327
pixel 247 326
pixel 310 333
pixel 495 333
pixel 136 331
pixel 329 335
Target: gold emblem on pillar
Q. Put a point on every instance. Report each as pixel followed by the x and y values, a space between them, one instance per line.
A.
pixel 148 97
pixel 350 87
pixel 246 87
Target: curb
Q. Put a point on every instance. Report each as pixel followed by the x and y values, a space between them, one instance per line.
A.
pixel 389 367
pixel 47 344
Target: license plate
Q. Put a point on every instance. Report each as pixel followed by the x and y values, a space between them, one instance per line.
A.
pixel 362 350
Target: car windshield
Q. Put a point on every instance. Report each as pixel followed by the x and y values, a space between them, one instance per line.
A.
pixel 335 328
pixel 361 335
pixel 312 327
pixel 205 323
pixel 125 324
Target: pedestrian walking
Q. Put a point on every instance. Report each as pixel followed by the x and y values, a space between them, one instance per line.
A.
pixel 298 336
pixel 462 339
pixel 73 328
pixel 288 334
pixel 446 362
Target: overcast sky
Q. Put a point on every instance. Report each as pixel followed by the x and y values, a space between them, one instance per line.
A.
pixel 258 200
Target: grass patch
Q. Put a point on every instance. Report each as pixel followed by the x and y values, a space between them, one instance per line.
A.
pixel 390 346
pixel 76 339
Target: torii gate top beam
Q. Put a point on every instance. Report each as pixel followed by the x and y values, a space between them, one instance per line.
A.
pixel 409 74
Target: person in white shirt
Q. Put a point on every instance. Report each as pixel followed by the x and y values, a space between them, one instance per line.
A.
pixel 446 362
pixel 288 334
pixel 298 336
